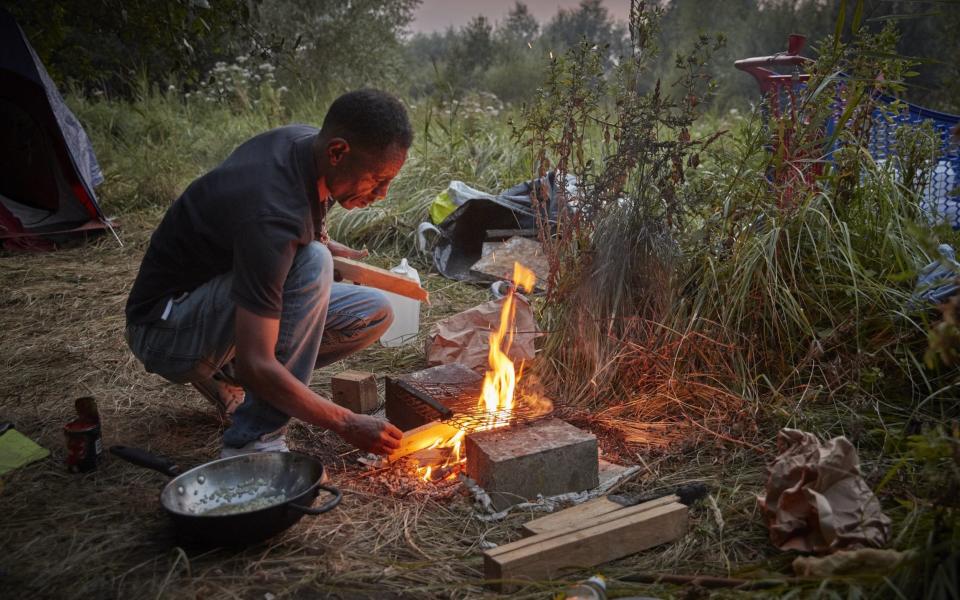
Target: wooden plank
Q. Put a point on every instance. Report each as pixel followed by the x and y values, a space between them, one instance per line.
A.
pixel 589 513
pixel 356 390
pixel 548 555
pixel 383 279
pixel 628 511
pixel 422 437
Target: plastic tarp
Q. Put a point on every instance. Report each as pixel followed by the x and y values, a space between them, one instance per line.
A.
pixel 463 232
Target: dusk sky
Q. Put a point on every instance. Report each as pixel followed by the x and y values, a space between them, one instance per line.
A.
pixel 440 14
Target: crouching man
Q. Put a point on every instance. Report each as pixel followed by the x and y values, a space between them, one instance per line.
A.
pixel 235 293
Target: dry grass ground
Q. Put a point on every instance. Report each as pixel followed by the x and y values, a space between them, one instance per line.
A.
pixel 103 534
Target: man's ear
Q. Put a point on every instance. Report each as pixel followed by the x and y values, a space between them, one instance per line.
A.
pixel 337 148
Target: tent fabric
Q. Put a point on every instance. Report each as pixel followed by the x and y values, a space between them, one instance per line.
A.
pixel 463 232
pixel 48 169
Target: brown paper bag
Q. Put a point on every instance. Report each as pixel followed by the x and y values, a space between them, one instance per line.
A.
pixel 817 501
pixel 465 337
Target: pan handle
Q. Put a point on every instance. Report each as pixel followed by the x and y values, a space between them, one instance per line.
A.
pixel 328 505
pixel 142 458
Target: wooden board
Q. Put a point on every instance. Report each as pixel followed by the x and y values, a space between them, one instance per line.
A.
pixel 383 279
pixel 591 512
pixel 552 554
pixel 421 438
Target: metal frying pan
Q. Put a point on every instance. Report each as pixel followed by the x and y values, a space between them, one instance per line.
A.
pixel 238 500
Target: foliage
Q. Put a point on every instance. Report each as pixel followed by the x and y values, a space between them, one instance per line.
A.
pixel 697 272
pixel 931 510
pixel 242 85
pixel 589 21
pixel 152 146
pixel 614 259
pixel 109 44
pixel 335 45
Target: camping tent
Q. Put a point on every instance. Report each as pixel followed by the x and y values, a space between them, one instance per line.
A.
pixel 47 166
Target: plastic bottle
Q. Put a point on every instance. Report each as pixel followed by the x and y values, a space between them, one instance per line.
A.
pixel 594 588
pixel 406 312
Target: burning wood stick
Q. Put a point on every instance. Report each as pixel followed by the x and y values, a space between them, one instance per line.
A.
pixel 423 437
pixel 372 276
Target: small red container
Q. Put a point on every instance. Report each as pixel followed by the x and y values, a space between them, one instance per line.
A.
pixel 84 444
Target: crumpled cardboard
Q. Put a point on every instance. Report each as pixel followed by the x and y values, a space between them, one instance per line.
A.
pixel 817 501
pixel 465 337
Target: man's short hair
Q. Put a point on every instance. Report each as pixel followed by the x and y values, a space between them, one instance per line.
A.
pixel 370 118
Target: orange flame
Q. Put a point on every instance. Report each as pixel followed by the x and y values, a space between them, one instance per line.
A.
pixel 500 381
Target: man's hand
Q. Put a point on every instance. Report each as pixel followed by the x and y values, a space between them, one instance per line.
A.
pixel 371 434
pixel 344 251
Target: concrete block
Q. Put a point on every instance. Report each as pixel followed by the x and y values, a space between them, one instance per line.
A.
pixel 549 457
pixel 356 390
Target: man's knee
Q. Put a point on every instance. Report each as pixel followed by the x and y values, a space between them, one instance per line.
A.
pixel 312 264
pixel 381 312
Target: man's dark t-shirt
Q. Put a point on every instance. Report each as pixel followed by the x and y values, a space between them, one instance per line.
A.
pixel 248 215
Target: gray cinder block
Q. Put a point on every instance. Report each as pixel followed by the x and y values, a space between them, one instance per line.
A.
pixel 548 457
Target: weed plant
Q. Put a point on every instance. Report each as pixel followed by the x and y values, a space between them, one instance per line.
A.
pixel 706 286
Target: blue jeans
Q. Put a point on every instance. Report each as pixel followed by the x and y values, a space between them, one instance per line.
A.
pixel 321 322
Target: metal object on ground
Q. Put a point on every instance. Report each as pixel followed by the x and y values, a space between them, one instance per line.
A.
pixel 83 439
pixel 418 398
pixel 238 500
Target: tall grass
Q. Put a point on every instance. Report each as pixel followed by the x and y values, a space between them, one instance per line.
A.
pixel 152 147
pixel 709 288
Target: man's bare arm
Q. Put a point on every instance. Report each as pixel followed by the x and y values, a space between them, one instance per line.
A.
pixel 344 251
pixel 258 368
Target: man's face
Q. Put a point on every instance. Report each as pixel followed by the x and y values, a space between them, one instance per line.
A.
pixel 362 177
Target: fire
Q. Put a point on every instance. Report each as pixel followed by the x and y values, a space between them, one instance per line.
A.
pixel 500 381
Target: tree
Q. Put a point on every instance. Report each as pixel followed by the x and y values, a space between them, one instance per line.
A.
pixel 110 43
pixel 472 53
pixel 519 28
pixel 590 21
pixel 339 43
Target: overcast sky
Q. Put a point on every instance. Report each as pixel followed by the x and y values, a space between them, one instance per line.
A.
pixel 439 14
